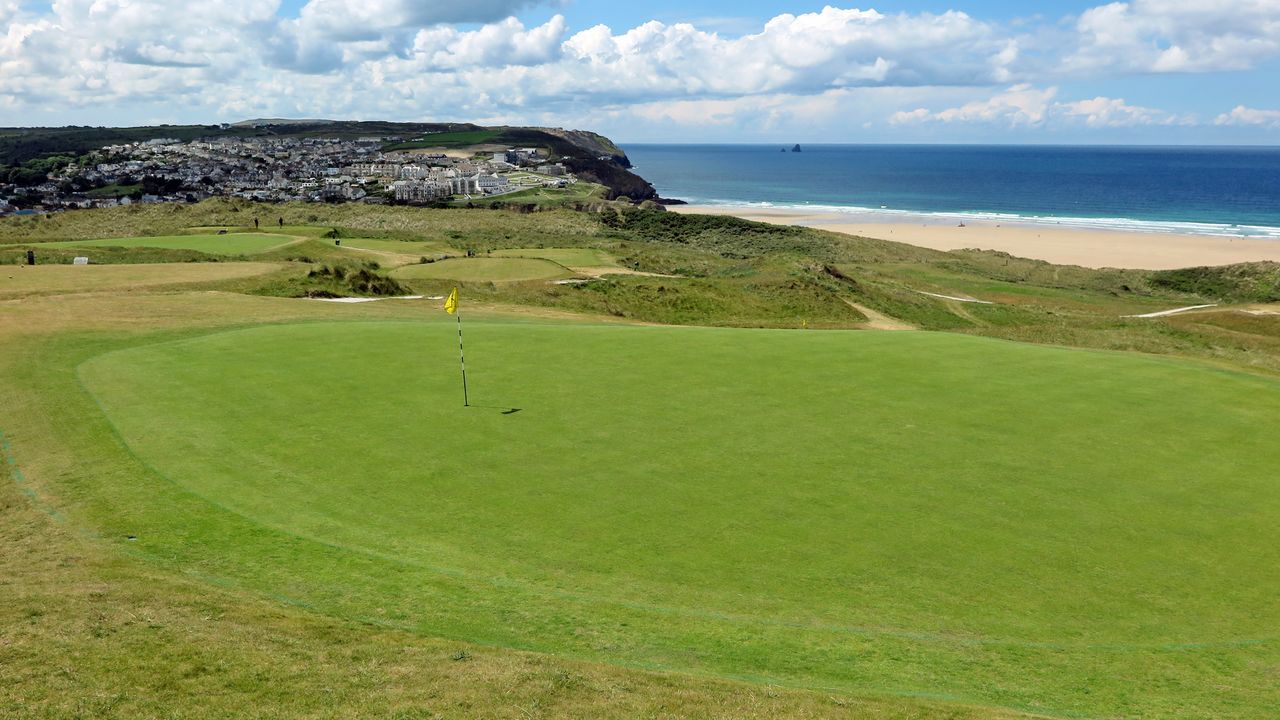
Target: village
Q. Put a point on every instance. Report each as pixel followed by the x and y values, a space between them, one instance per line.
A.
pixel 309 169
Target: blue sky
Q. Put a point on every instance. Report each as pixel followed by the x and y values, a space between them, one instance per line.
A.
pixel 1141 71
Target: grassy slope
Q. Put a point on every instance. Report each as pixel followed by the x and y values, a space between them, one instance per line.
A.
pixel 230 244
pixel 736 274
pixel 485 269
pixel 581 192
pixel 91 628
pixel 745 274
pixel 569 257
pixel 463 138
pixel 397 247
pixel 926 514
pixel 20 281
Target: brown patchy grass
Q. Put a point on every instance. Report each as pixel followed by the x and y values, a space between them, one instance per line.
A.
pixel 21 280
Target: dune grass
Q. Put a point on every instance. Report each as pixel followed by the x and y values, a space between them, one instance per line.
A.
pixel 484 269
pixel 1060 531
pixel 229 244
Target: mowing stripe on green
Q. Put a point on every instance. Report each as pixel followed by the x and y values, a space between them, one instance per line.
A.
pixel 1071 531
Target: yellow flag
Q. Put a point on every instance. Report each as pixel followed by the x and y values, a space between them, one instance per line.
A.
pixel 451 302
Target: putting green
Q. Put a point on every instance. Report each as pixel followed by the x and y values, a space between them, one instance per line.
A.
pixel 229 244
pixel 1074 532
pixel 569 257
pixel 484 269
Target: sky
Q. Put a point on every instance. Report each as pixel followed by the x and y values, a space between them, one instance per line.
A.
pixel 918 71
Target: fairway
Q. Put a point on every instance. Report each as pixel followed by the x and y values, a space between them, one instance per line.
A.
pixel 484 269
pixel 229 244
pixel 569 257
pixel 909 513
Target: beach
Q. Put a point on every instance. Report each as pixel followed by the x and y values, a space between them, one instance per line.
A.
pixel 1063 246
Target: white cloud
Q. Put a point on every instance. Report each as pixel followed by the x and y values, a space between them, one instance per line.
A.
pixel 1113 112
pixel 371 19
pixel 1167 36
pixel 1024 105
pixel 410 59
pixel 1019 105
pixel 1241 115
pixel 496 45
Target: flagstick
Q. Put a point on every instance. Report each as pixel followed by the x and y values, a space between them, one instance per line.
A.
pixel 462 360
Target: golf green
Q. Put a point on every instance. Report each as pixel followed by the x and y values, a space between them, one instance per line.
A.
pixel 1057 530
pixel 229 244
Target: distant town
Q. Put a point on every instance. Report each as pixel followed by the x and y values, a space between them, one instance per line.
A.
pixel 283 169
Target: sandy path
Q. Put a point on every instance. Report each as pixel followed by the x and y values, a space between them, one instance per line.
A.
pixel 956 299
pixel 1175 311
pixel 878 320
pixel 1065 246
pixel 602 270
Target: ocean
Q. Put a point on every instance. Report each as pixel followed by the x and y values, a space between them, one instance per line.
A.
pixel 1231 191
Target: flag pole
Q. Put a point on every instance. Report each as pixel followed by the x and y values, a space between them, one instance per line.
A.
pixel 462 361
pixel 451 307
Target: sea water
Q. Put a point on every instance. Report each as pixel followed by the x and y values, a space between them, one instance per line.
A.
pixel 1230 191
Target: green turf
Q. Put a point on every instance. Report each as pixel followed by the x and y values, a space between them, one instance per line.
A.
pixel 569 257
pixel 460 138
pixel 230 244
pixel 1080 533
pixel 484 269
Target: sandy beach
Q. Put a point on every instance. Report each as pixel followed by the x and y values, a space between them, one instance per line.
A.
pixel 1063 246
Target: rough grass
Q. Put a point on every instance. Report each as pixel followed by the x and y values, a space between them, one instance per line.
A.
pixel 46 255
pixel 397 247
pixel 21 281
pixel 541 197
pixel 1252 282
pixel 483 228
pixel 484 269
pixel 1059 531
pixel 229 244
pixel 569 257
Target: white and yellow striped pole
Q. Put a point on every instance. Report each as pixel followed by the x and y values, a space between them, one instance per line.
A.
pixel 451 307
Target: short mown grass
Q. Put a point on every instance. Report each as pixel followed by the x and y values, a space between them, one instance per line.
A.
pixel 1065 532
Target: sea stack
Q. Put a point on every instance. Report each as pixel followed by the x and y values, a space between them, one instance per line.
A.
pixel 796 148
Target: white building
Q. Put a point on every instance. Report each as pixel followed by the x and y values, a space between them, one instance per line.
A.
pixel 491 183
pixel 411 191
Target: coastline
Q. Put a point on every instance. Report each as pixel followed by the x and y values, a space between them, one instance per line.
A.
pixel 1059 245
